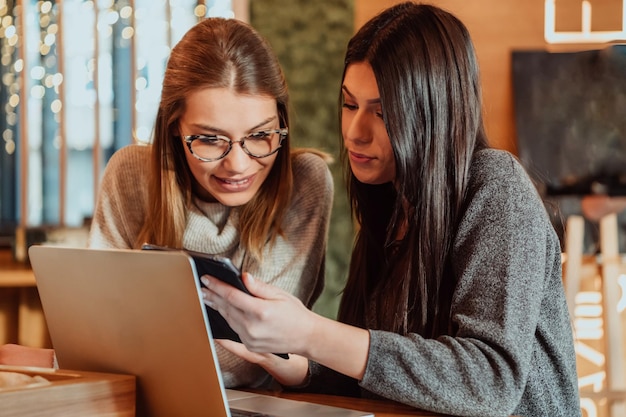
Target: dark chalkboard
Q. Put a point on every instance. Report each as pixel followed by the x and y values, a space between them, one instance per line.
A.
pixel 570 115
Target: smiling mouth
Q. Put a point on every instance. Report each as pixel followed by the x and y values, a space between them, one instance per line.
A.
pixel 234 182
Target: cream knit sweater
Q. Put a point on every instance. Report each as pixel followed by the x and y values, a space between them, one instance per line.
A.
pixel 295 263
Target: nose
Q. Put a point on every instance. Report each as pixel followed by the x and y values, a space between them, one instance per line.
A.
pixel 237 160
pixel 357 127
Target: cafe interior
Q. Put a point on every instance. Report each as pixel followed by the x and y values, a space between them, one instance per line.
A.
pixel 81 79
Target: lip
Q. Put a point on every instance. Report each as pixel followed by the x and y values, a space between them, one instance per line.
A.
pixel 359 158
pixel 234 185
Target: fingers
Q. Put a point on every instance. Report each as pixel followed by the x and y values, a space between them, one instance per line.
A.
pixel 236 298
pixel 234 305
pixel 259 288
pixel 240 350
pixel 289 372
pixel 219 295
pixel 270 320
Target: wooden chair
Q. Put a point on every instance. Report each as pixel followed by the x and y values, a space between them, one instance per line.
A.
pixel 611 293
pixel 610 267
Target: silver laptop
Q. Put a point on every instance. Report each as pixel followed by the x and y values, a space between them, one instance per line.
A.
pixel 141 313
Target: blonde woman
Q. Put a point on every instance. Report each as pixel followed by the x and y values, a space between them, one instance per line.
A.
pixel 220 176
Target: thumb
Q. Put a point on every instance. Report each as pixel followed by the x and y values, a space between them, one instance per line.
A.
pixel 240 350
pixel 259 288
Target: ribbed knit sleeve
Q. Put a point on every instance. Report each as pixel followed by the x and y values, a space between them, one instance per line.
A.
pixel 122 199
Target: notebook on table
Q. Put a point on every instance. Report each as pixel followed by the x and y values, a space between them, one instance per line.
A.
pixel 141 313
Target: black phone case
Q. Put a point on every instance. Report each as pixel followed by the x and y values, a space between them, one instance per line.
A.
pixel 224 270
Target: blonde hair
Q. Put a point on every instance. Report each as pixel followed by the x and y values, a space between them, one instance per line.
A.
pixel 216 53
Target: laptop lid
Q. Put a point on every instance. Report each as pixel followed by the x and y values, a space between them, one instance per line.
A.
pixel 141 313
pixel 132 312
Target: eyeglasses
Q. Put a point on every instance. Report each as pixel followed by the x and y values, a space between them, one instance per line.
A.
pixel 209 148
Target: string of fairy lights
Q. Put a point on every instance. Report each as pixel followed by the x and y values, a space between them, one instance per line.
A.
pixel 61 62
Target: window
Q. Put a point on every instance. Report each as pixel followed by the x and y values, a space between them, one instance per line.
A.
pixel 79 79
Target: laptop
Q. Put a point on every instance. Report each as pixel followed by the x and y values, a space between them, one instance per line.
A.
pixel 141 313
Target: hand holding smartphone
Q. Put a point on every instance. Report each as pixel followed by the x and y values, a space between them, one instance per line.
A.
pixel 223 269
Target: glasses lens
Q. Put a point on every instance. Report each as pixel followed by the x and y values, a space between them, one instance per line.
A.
pixel 262 143
pixel 209 147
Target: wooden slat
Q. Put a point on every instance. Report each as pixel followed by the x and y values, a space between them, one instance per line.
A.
pixel 616 380
pixel 574 232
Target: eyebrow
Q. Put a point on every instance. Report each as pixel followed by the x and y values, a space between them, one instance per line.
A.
pixel 370 101
pixel 220 131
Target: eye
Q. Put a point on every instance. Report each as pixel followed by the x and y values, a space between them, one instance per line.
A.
pixel 349 106
pixel 260 135
pixel 209 139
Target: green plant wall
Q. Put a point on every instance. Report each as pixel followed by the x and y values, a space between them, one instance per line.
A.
pixel 310 38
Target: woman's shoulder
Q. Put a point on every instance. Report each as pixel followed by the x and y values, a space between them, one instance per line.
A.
pixel 132 158
pixel 494 157
pixel 131 153
pixel 312 179
pixel 498 177
pixel 130 164
pixel 310 157
pixel 311 165
pixel 490 164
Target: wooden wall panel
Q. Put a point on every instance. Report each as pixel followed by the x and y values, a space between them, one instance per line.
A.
pixel 498 27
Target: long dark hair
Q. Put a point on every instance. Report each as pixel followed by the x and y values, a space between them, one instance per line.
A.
pixel 216 53
pixel 428 78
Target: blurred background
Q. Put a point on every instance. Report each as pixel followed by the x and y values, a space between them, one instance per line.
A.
pixel 80 79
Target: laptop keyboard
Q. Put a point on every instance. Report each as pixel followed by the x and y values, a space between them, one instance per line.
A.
pixel 245 413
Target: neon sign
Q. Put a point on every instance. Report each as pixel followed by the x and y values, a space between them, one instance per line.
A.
pixel 589 330
pixel 586 35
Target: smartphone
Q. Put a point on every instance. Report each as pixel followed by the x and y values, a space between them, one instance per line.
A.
pixel 219 267
pixel 223 269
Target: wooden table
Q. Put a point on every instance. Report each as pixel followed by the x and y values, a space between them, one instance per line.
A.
pixel 22 321
pixel 14 274
pixel 70 393
pixel 21 316
pixel 380 408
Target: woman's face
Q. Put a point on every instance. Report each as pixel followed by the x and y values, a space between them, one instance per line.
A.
pixel 364 134
pixel 235 179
